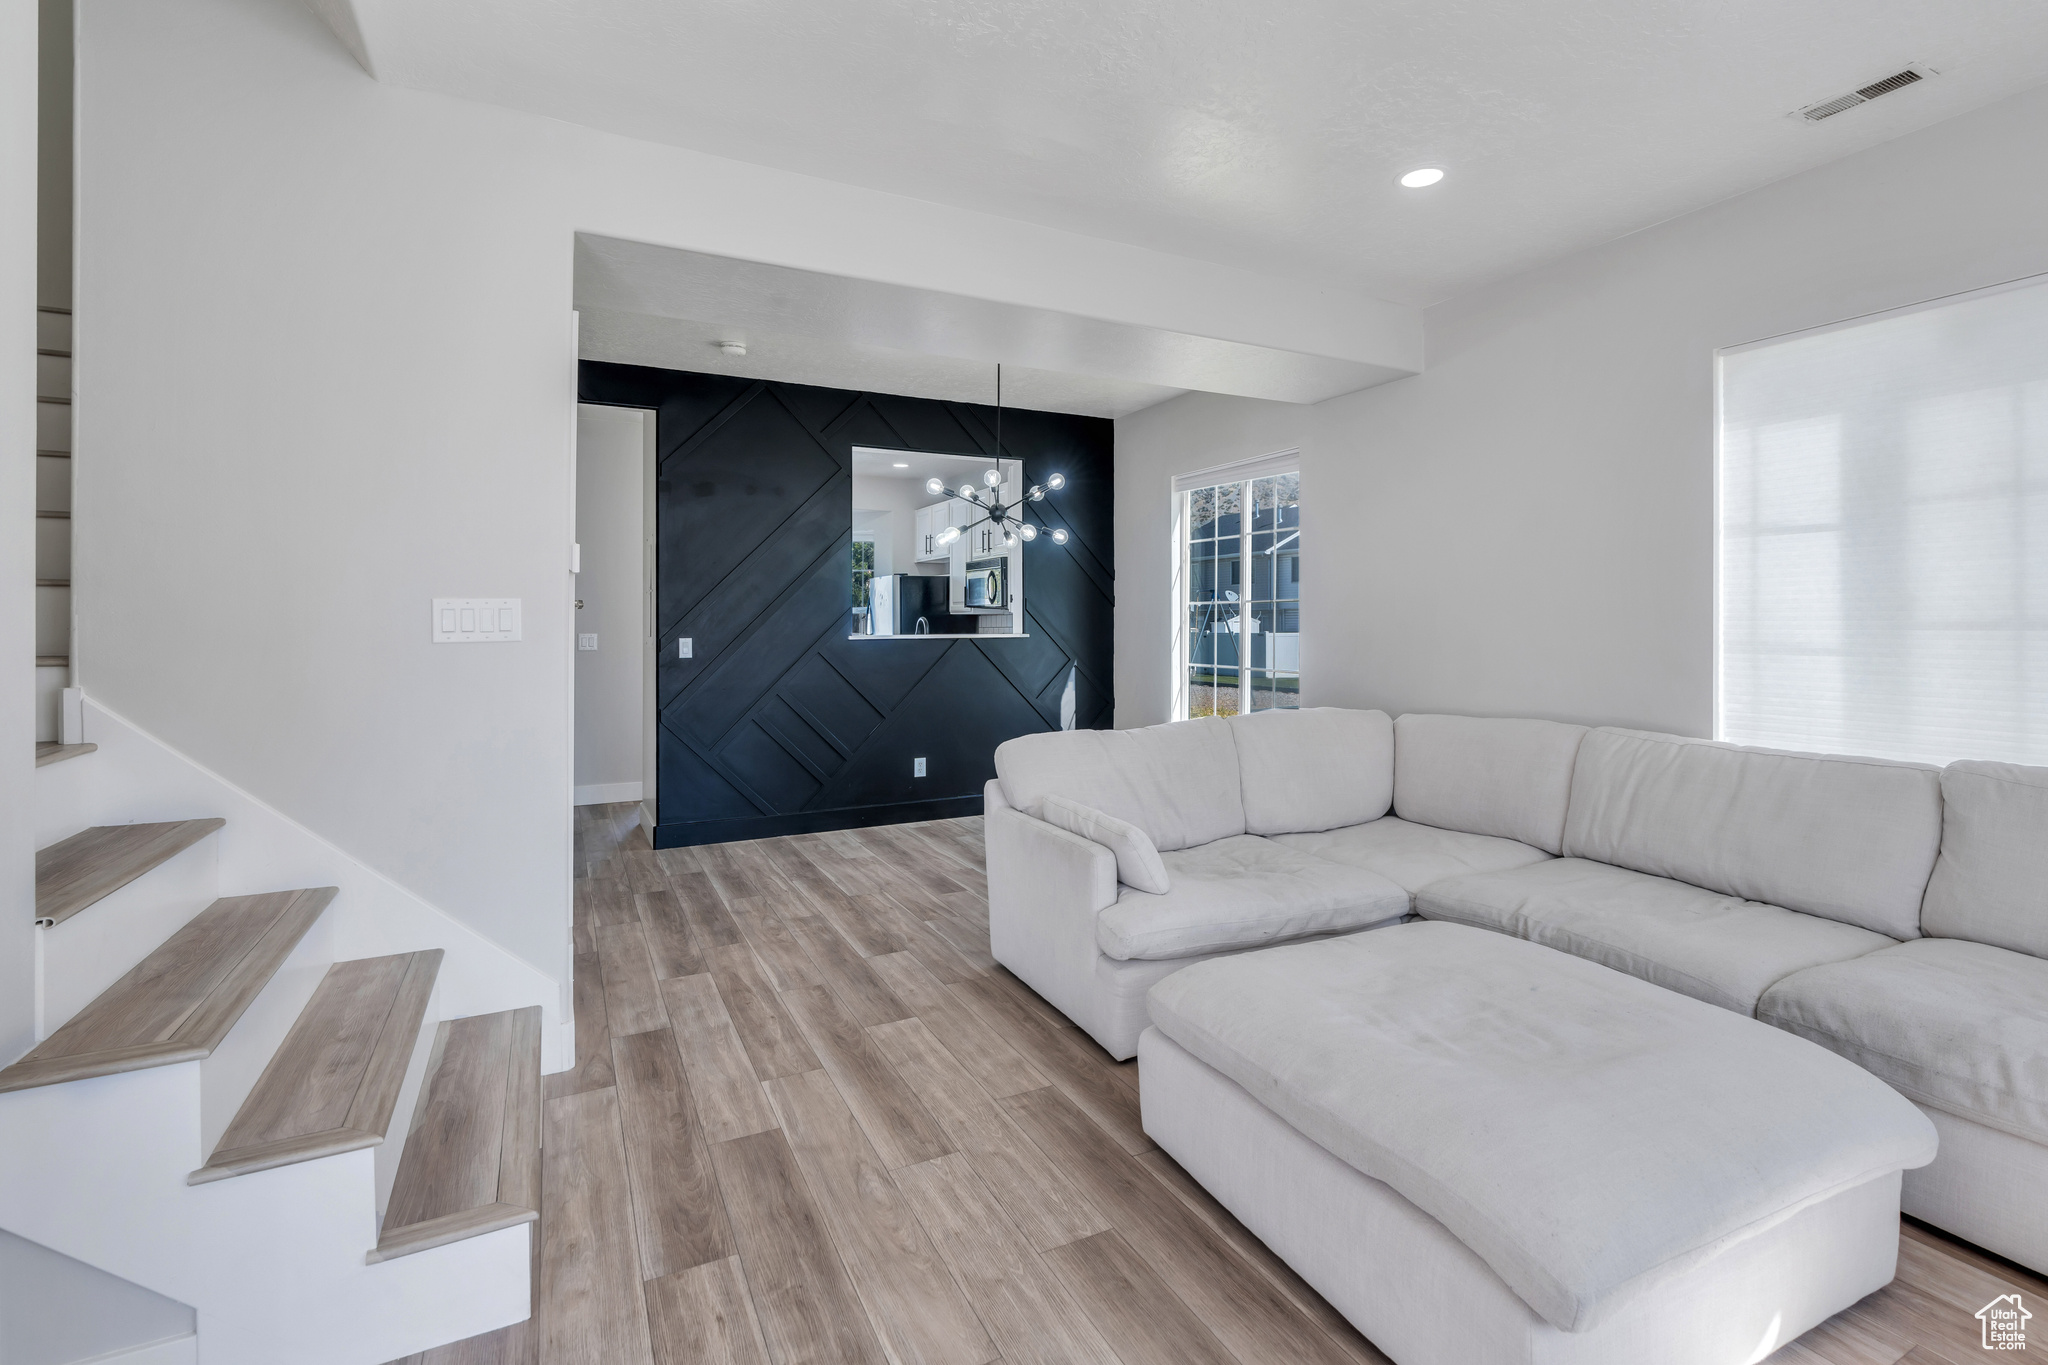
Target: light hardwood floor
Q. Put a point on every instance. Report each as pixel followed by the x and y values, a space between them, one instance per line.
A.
pixel 811 1121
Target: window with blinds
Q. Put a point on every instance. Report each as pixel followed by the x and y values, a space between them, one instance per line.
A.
pixel 1884 534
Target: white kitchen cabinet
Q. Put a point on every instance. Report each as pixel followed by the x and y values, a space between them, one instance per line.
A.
pixel 931 521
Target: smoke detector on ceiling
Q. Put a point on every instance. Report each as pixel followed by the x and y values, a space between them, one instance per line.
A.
pixel 733 347
pixel 1864 94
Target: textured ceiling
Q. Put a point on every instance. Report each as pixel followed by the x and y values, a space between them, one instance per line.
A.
pixel 1265 136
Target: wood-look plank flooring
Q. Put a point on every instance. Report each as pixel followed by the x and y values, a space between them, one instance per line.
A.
pixel 472 1159
pixel 812 1122
pixel 333 1083
pixel 177 1004
pixel 94 863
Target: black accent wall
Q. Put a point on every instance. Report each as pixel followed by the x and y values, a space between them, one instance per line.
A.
pixel 780 724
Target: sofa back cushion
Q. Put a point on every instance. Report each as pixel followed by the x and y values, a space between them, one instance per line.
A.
pixel 1991 882
pixel 1852 839
pixel 1177 782
pixel 1511 779
pixel 1307 771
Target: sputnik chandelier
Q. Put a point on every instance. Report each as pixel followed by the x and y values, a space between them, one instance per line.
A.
pixel 1005 517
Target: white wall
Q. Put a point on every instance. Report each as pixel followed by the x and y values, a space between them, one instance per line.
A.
pixel 17 506
pixel 326 374
pixel 1526 528
pixel 610 452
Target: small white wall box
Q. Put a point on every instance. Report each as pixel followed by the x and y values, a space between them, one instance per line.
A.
pixel 586 642
pixel 475 620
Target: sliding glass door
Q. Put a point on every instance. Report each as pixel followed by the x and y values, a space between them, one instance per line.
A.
pixel 1241 607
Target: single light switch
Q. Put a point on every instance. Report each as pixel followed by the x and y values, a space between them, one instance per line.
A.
pixel 468 626
pixel 447 620
pixel 683 647
pixel 917 767
pixel 504 620
pixel 586 642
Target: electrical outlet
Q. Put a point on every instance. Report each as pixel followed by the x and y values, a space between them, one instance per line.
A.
pixel 917 767
pixel 586 642
pixel 684 647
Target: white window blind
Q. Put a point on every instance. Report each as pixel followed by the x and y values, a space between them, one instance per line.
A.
pixel 1884 534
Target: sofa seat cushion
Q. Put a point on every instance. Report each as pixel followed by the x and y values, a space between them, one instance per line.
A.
pixel 1411 855
pixel 1720 949
pixel 1587 1135
pixel 1958 1026
pixel 1242 892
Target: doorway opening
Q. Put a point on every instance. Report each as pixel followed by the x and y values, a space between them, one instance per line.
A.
pixel 615 633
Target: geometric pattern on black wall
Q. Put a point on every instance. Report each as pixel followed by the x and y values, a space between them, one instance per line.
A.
pixel 778 722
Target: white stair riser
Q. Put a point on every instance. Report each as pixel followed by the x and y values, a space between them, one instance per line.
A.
pixel 272 1257
pixel 90 951
pixel 53 484
pixel 53 376
pixel 227 1077
pixel 53 426
pixel 53 621
pixel 393 1147
pixel 50 683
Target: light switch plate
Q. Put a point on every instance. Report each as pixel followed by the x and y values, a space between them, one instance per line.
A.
pixel 475 620
pixel 684 646
pixel 586 642
pixel 917 767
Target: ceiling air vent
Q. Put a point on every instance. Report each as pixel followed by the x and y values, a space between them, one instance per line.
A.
pixel 1898 80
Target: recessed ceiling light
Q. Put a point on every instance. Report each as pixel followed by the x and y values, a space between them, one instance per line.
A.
pixel 1421 179
pixel 902 466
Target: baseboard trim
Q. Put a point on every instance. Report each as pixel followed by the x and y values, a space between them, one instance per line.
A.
pixel 607 793
pixel 683 834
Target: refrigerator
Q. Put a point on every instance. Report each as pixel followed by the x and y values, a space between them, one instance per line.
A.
pixel 898 601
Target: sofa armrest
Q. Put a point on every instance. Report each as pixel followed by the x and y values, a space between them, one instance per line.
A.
pixel 1045 888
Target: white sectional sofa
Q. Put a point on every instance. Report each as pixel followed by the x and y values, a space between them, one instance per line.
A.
pixel 1894 913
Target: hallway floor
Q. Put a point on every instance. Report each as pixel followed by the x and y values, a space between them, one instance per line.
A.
pixel 813 1123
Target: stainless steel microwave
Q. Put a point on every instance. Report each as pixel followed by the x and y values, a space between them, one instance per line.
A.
pixel 986 586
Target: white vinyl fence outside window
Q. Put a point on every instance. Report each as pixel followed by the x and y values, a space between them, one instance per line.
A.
pixel 1884 534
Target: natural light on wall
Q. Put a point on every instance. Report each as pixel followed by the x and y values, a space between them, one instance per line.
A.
pixel 1884 534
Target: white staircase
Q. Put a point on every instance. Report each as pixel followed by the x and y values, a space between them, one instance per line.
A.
pixel 53 521
pixel 309 1111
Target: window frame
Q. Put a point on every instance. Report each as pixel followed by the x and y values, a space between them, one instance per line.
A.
pixel 1244 473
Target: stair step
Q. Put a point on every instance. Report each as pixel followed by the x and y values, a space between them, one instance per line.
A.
pixel 472 1157
pixel 94 863
pixel 180 1001
pixel 335 1079
pixel 49 751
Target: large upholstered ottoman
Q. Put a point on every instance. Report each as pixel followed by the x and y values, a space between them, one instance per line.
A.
pixel 1480 1149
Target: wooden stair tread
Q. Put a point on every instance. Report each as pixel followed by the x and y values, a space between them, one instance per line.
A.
pixel 94 863
pixel 334 1081
pixel 180 1001
pixel 472 1155
pixel 49 751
